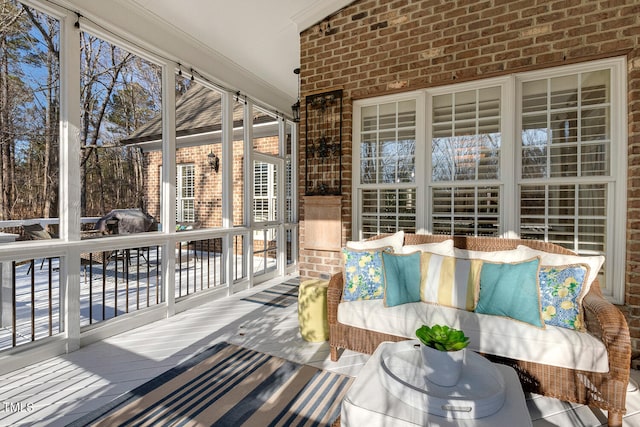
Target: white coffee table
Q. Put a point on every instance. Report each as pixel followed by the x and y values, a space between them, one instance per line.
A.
pixel 370 402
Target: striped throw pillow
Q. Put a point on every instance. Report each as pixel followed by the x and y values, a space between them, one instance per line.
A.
pixel 449 281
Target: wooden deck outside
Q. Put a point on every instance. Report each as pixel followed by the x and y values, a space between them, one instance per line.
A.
pixel 60 390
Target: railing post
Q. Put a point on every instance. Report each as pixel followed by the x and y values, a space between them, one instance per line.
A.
pixel 168 268
pixel 6 295
pixel 70 298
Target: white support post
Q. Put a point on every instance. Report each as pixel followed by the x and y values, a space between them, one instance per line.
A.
pixel 168 195
pixel 70 208
pixel 227 185
pixel 281 256
pixel 248 187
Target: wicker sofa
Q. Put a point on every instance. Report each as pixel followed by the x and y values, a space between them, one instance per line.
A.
pixel 605 390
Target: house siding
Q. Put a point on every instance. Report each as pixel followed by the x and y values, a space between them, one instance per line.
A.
pixel 376 47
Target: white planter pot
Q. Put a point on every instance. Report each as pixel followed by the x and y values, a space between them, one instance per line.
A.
pixel 442 367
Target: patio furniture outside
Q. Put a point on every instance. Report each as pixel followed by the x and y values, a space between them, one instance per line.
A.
pixel 125 221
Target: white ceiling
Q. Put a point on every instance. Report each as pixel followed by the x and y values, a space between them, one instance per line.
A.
pixel 260 36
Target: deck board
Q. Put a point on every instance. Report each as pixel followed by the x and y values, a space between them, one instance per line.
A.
pixel 66 387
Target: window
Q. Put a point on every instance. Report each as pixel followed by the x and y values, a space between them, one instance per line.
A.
pixel 538 155
pixel 185 193
pixel 466 138
pixel 565 135
pixel 265 207
pixel 566 178
pixel 387 167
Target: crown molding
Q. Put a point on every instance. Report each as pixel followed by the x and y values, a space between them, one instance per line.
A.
pixel 317 12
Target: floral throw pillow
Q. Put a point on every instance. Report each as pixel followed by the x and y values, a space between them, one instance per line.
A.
pixel 562 290
pixel 363 274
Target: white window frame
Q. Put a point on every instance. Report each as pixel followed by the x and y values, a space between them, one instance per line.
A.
pixel 420 153
pixel 180 198
pixel 507 152
pixel 510 180
pixel 613 284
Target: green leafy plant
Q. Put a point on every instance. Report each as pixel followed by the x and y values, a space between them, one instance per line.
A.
pixel 442 338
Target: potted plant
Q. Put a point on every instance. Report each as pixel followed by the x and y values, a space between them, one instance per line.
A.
pixel 443 350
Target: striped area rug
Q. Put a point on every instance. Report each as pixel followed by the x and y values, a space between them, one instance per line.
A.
pixel 281 295
pixel 228 385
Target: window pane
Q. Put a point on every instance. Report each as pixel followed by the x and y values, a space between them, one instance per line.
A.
pixel 535 137
pixel 535 96
pixel 565 126
pixel 369 118
pixel 289 208
pixel 564 92
pixel 466 135
pixel 573 216
pixel 387 211
pixel 595 87
pixel 466 210
pixel 265 206
pixel 185 194
pixel 387 143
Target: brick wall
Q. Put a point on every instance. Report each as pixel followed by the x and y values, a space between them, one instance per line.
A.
pixel 377 47
pixel 208 183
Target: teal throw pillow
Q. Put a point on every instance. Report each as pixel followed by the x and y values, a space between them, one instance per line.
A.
pixel 363 276
pixel 511 290
pixel 562 290
pixel 401 278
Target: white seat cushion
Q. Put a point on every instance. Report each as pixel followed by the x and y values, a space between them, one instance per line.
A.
pixel 546 258
pixel 489 334
pixel 444 248
pixel 395 240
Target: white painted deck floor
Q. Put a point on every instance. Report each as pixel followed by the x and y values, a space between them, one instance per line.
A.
pixel 60 390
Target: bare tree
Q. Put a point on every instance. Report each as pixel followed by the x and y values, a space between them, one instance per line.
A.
pixel 50 58
pixel 119 93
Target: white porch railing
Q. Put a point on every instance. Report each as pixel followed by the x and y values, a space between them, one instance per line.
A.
pixel 58 295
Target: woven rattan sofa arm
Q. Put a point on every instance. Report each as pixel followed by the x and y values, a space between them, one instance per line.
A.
pixel 606 321
pixel 334 295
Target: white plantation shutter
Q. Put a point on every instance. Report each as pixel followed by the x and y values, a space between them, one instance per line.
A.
pixel 536 155
pixel 566 126
pixel 566 134
pixel 390 209
pixel 265 208
pixel 387 167
pixel 466 210
pixel 185 194
pixel 466 146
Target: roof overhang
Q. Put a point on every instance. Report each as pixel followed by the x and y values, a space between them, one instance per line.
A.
pixel 262 130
